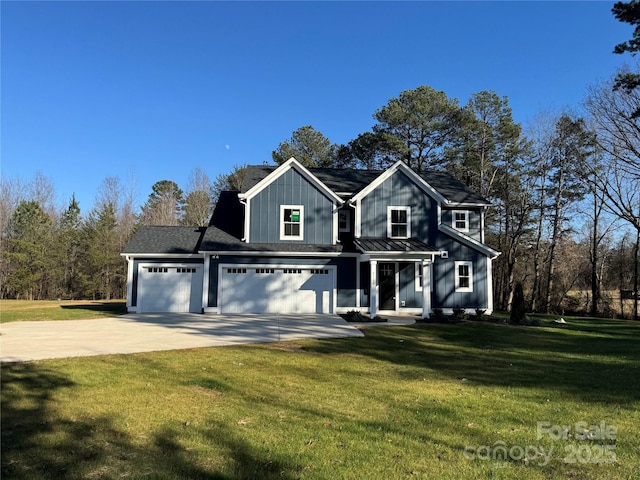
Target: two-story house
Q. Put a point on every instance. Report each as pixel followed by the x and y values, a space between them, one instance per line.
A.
pixel 298 240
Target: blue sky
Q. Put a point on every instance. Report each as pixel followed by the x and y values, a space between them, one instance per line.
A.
pixel 152 90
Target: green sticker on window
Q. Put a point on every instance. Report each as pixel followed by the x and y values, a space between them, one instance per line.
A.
pixel 295 216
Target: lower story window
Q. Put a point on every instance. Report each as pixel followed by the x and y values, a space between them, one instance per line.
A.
pixel 464 276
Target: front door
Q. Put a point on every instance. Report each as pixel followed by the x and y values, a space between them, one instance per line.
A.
pixel 387 286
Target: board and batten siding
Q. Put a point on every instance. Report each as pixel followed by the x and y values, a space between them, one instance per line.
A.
pixel 291 189
pixel 474 221
pixel 397 190
pixel 445 295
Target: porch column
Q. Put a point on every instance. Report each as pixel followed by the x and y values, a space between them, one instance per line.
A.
pixel 426 288
pixel 373 289
pixel 130 265
pixel 358 286
pixel 205 282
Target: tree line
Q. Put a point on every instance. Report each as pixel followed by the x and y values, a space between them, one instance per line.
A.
pixel 565 196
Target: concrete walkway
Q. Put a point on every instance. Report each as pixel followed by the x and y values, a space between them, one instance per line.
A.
pixel 133 333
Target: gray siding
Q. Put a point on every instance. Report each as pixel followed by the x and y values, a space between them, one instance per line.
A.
pixel 445 295
pixel 291 189
pixel 398 190
pixel 407 288
pixel 474 221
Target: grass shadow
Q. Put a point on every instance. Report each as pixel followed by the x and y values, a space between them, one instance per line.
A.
pixel 595 366
pixel 38 442
pixel 102 308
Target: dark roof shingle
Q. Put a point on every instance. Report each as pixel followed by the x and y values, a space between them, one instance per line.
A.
pixel 351 181
pixel 165 240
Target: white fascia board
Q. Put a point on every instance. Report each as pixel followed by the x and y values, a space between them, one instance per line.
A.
pixel 400 166
pixel 161 255
pixel 467 240
pixel 397 256
pixel 467 204
pixel 281 170
pixel 334 224
pixel 246 253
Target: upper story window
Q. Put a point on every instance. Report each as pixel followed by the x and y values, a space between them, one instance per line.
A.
pixel 464 276
pixel 461 220
pixel 344 221
pixel 291 222
pixel 399 222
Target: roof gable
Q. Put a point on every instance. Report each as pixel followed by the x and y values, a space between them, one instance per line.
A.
pixel 349 182
pixel 292 163
pixel 399 166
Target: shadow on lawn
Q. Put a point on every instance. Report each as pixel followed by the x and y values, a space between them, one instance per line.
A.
pixel 106 308
pixel 591 366
pixel 38 443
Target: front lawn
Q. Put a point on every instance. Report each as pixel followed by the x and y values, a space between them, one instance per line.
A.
pixel 421 401
pixel 23 310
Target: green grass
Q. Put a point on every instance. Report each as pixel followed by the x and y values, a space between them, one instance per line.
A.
pixel 25 310
pixel 391 405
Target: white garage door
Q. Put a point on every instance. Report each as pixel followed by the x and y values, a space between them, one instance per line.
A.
pixel 170 288
pixel 283 289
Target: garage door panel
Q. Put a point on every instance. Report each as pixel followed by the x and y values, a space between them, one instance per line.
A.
pixel 174 289
pixel 275 290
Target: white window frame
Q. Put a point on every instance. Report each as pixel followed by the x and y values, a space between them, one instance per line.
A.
pixel 457 276
pixel 282 222
pixel 454 220
pixel 390 209
pixel 347 217
pixel 418 282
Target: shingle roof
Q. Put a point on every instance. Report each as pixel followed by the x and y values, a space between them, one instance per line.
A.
pixel 216 240
pixel 351 180
pixel 165 240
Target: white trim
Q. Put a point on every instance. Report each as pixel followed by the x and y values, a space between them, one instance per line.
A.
pixel 292 163
pixel 247 220
pixel 482 225
pixel 205 281
pixel 283 236
pixel 334 222
pixel 458 288
pixel 260 253
pixel 454 220
pixel 400 166
pixel 489 277
pixel 161 255
pixel 418 277
pixel 130 264
pixel 373 287
pixel 357 225
pixel 390 210
pixel 358 286
pixel 470 242
pixel 347 214
pixel 427 287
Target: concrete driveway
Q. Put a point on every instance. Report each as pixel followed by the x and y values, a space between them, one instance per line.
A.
pixel 133 333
